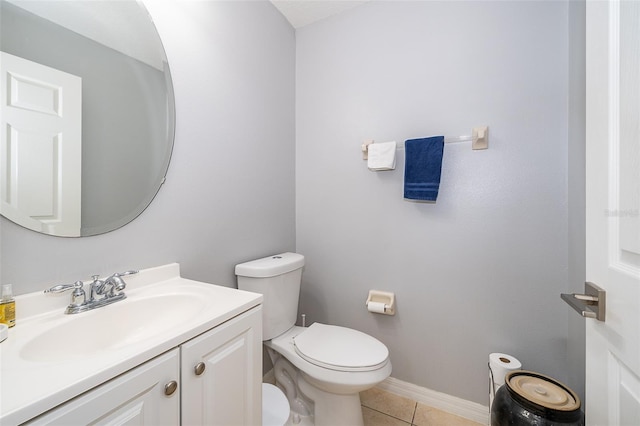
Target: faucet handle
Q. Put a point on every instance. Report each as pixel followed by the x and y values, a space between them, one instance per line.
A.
pixel 121 274
pixel 78 296
pixel 118 283
pixel 64 287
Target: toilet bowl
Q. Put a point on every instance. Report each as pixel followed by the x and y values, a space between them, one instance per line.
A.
pixel 321 368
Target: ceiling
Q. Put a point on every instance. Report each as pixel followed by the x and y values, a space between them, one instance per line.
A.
pixel 304 12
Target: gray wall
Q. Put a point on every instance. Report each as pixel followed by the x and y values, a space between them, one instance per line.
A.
pixel 576 192
pixel 481 270
pixel 229 195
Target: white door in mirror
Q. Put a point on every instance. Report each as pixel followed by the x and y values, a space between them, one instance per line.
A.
pixel 40 146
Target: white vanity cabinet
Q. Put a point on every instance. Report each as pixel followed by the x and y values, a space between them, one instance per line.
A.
pixel 218 378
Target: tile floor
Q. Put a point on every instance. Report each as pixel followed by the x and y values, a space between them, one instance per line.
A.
pixel 381 408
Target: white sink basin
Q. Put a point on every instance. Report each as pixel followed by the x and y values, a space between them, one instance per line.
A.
pixel 112 326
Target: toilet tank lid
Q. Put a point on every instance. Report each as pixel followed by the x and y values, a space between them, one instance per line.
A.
pixel 271 266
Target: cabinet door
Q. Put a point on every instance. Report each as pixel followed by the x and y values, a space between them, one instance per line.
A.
pixel 134 398
pixel 229 390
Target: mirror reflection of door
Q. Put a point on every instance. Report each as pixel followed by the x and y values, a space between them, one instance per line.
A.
pixel 40 146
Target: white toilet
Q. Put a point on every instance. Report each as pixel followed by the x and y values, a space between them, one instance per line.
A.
pixel 321 368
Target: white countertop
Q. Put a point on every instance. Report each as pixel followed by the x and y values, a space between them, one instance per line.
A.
pixel 29 387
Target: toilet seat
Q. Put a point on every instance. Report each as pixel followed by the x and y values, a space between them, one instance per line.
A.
pixel 340 348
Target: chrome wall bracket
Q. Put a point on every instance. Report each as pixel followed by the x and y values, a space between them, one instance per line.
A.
pixel 592 304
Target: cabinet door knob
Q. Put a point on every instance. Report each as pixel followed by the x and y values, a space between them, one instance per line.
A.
pixel 170 387
pixel 199 369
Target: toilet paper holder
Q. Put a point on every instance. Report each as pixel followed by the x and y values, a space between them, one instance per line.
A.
pixel 382 302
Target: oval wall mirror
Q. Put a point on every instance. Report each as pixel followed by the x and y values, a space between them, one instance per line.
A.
pixel 87 114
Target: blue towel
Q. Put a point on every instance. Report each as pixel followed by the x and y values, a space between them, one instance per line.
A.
pixel 422 167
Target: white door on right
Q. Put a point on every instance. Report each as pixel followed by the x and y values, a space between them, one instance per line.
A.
pixel 613 210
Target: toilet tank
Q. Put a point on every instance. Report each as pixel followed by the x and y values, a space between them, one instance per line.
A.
pixel 277 278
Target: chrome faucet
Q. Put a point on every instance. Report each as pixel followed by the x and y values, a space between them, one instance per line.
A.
pixel 101 293
pixel 97 286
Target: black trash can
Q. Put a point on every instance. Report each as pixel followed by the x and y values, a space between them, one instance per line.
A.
pixel 529 398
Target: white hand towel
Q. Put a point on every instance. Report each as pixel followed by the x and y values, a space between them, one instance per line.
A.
pixel 382 156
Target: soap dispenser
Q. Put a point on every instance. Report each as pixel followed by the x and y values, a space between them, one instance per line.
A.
pixel 7 306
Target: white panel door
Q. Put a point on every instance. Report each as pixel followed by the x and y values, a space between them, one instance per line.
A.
pixel 222 374
pixel 40 146
pixel 613 211
pixel 136 398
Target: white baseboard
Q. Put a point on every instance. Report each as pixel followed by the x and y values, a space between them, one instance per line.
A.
pixel 460 407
